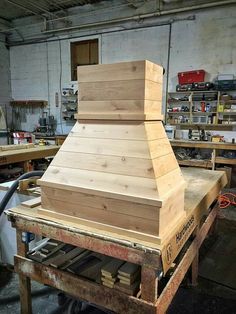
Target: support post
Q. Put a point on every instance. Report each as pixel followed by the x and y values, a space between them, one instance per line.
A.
pixel 24 282
pixel 149 284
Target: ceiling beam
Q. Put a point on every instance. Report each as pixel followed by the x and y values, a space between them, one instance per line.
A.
pixel 42 9
pixel 5 23
pixel 24 8
pixel 55 4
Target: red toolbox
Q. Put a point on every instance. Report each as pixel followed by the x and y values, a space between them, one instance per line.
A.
pixel 191 77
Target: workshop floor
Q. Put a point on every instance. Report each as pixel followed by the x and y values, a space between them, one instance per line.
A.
pixel 214 294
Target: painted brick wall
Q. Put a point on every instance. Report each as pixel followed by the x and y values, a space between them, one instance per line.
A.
pixel 207 42
pixel 5 89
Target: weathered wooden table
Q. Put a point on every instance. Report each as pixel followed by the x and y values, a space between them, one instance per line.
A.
pixel 203 187
pixel 24 155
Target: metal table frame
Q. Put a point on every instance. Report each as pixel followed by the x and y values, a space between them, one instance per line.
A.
pixel 149 259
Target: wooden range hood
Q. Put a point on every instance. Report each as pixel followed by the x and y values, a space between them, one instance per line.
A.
pixel 116 169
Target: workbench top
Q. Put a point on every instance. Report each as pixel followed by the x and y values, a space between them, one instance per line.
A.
pixel 203 187
pixel 203 144
pixel 19 155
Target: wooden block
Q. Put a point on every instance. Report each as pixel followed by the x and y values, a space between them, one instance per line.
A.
pixel 116 170
pixel 75 259
pixel 133 70
pixel 130 280
pixel 61 260
pixel 108 279
pixel 112 267
pixel 128 269
pixel 131 290
pixel 16 147
pixel 26 183
pixel 90 213
pixel 137 110
pixel 108 284
pixel 32 203
pixel 89 225
pixel 120 90
pixel 131 130
pixel 101 203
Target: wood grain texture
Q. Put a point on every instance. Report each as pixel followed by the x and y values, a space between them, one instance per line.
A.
pixel 133 70
pixel 80 180
pixel 99 227
pixel 118 167
pixel 130 131
pixel 120 110
pixel 101 203
pixel 120 90
pixel 129 222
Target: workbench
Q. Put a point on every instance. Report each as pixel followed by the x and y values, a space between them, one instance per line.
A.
pixel 24 155
pixel 203 187
pixel 213 146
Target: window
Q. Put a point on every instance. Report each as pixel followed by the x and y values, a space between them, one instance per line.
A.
pixel 83 53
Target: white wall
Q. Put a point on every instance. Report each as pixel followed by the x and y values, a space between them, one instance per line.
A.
pixel 5 88
pixel 207 42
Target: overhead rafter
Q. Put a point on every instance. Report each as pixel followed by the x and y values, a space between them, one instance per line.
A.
pixel 21 6
pixel 31 3
pixel 55 4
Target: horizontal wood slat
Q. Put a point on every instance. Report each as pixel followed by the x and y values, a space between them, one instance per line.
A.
pixel 110 204
pixel 120 90
pixel 133 70
pixel 129 222
pixel 103 182
pixel 130 131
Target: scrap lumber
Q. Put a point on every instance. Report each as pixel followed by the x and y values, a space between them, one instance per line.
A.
pixel 109 272
pixel 34 202
pixel 16 146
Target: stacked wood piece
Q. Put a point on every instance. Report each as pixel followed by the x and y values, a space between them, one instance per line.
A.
pixel 116 171
pixel 109 272
pixel 129 278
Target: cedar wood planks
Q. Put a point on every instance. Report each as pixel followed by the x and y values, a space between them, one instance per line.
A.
pixel 130 162
pixel 134 70
pixel 133 92
pixel 121 90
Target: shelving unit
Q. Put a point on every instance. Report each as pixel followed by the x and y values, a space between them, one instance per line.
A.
pixel 206 163
pixel 69 107
pixel 184 110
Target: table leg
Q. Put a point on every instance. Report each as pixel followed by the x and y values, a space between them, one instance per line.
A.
pixel 149 284
pixel 194 270
pixel 195 262
pixel 24 282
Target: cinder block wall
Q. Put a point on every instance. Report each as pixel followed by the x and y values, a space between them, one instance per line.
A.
pixel 208 42
pixel 5 87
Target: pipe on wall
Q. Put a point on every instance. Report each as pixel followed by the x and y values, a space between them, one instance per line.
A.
pixel 142 16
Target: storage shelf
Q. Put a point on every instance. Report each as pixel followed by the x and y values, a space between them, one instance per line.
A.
pixel 178 112
pixel 206 113
pixel 226 161
pixel 196 163
pixel 178 101
pixel 228 113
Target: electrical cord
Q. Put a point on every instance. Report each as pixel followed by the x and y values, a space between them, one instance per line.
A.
pixel 227 199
